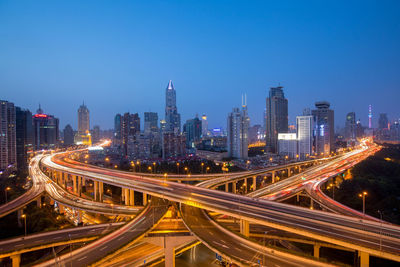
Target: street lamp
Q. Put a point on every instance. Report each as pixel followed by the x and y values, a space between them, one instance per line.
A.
pixel 207 169
pixel 186 169
pixel 149 168
pixel 24 216
pixel 362 195
pixel 6 190
pixel 333 190
pixel 202 167
pixel 154 167
pixel 177 167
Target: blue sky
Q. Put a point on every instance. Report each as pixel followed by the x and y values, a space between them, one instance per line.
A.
pixel 118 56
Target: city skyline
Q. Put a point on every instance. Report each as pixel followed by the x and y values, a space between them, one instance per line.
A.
pixel 352 64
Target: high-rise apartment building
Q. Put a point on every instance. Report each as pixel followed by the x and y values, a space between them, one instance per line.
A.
pixel 383 121
pixel 95 134
pixel 238 127
pixel 68 135
pixel 276 117
pixel 173 145
pixel 172 117
pixel 305 136
pixel 350 126
pixel 130 126
pixel 83 120
pixel 117 130
pixel 150 122
pixel 45 128
pixel 324 128
pixel 24 136
pixel 8 149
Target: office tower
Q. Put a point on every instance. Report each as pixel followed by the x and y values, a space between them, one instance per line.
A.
pixel 256 134
pixel 238 127
pixel 173 145
pixel 83 120
pixel 305 136
pixel 370 116
pixel 350 126
pixel 95 134
pixel 163 126
pixel 193 131
pixel 324 128
pixel 204 126
pixel 383 121
pixel 359 130
pixel 8 149
pixel 172 117
pixel 24 136
pixel 150 122
pixel 117 130
pixel 288 144
pixel 130 126
pixel 45 128
pixel 68 135
pixel 277 117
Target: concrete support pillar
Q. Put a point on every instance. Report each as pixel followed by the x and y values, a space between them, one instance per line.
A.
pixel 123 195
pixel 127 196
pixel 39 202
pixel 79 216
pixel 19 214
pixel 364 259
pixel 288 172
pixel 273 177
pixel 244 227
pixel 254 183
pixel 96 190
pixel 16 260
pixel 298 197
pixel 75 188
pixel 83 181
pixel 234 187
pixel 312 204
pixel 79 186
pixel 101 191
pixel 131 197
pixel 316 251
pixel 144 199
pixel 169 252
pixel 227 187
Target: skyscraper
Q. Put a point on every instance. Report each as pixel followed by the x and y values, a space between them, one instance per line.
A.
pixel 350 126
pixel 83 120
pixel 238 127
pixel 276 117
pixel 68 135
pixel 24 136
pixel 45 128
pixel 370 116
pixel 383 121
pixel 118 130
pixel 95 134
pixel 305 136
pixel 324 128
pixel 130 126
pixel 8 149
pixel 204 125
pixel 172 117
pixel 193 130
pixel 150 122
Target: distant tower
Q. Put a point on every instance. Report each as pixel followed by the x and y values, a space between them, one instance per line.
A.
pixel 370 116
pixel 204 125
pixel 238 126
pixel 172 117
pixel 83 119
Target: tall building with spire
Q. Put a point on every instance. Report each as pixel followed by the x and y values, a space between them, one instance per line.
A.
pixel 83 120
pixel 276 117
pixel 238 127
pixel 172 117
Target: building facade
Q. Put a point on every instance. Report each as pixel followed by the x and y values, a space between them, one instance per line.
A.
pixel 45 128
pixel 150 122
pixel 193 131
pixel 287 144
pixel 276 117
pixel 83 120
pixel 350 126
pixel 204 126
pixel 8 148
pixel 24 136
pixel 305 136
pixel 172 117
pixel 324 128
pixel 238 127
pixel 68 135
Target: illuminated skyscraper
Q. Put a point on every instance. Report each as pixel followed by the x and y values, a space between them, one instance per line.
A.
pixel 172 117
pixel 24 136
pixel 276 117
pixel 150 122
pixel 83 120
pixel 305 136
pixel 8 149
pixel 45 128
pixel 324 128
pixel 350 126
pixel 370 116
pixel 204 125
pixel 238 128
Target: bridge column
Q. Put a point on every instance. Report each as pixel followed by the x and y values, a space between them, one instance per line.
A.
pixel 83 181
pixel 312 204
pixel 39 202
pixel 316 251
pixel 227 187
pixel 16 260
pixel 79 186
pixel 288 172
pixel 234 187
pixel 75 189
pixel 273 177
pixel 169 252
pixel 144 199
pixel 19 214
pixel 79 215
pixel 131 197
pixel 254 183
pixel 101 191
pixel 364 259
pixel 244 227
pixel 126 194
pixel 95 190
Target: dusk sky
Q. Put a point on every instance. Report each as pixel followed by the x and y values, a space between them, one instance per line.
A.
pixel 118 56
